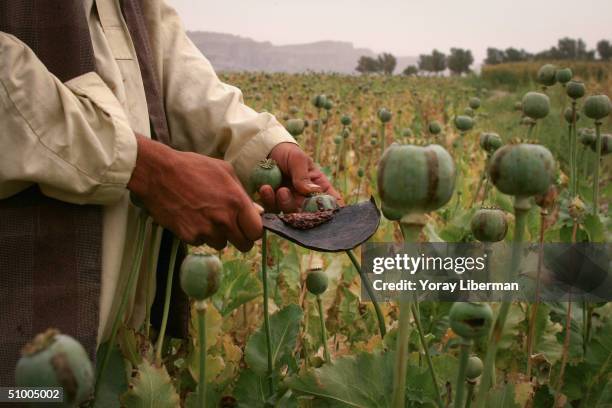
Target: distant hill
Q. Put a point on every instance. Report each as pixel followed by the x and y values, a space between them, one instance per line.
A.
pixel 229 52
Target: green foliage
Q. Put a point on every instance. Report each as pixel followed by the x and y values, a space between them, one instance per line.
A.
pixel 350 382
pixel 251 390
pixel 384 63
pixel 502 397
pixel 434 62
pixel 459 61
pixel 150 387
pixel 410 70
pixel 238 286
pixel 114 382
pixel 284 328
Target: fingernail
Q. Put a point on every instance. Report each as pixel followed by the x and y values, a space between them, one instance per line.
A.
pixel 259 208
pixel 313 186
pixel 284 196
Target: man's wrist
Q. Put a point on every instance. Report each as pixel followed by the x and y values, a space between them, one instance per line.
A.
pixel 150 159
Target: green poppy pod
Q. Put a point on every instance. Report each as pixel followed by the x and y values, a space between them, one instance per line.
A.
pixel 470 320
pixel 266 172
pixel 200 275
pixel 54 360
pixel 345 133
pixel 434 127
pixel 489 225
pixel 384 115
pixel 415 179
pixel 474 103
pixel 474 368
pixel 606 144
pixel 337 139
pixel 316 282
pixel 536 105
pixel 294 110
pixel 318 101
pixel 522 170
pixel 464 123
pixel 345 120
pixel 587 137
pixel 527 121
pixel 406 132
pixel 564 75
pixel 295 127
pixel 319 202
pixel 391 213
pixel 490 142
pixel 469 112
pixel 373 141
pixel 360 172
pixel 568 114
pixel 518 106
pixel 547 75
pixel 575 89
pixel 328 105
pixel 596 107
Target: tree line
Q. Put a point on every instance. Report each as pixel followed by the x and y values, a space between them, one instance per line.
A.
pixel 566 49
pixel 459 60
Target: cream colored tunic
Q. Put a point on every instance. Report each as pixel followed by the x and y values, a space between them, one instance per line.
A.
pixel 76 139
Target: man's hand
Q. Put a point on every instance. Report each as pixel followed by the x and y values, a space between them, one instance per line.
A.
pixel 300 178
pixel 198 198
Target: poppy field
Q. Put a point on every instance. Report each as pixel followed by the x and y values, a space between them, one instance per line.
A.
pixel 284 326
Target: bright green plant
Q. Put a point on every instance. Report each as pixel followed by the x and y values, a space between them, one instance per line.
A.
pixel 597 107
pixel 413 180
pixel 316 283
pixel 200 275
pixel 470 321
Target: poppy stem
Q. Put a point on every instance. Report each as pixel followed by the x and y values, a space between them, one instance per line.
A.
pixel 368 286
pixel 432 372
pixel 168 295
pixel 264 277
pixel 323 330
pixel 596 169
pixel 201 310
pixel 521 208
pixel 466 345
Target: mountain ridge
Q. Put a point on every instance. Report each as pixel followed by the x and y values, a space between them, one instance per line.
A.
pixel 229 52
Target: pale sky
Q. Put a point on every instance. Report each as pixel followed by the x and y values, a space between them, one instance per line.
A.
pixel 406 27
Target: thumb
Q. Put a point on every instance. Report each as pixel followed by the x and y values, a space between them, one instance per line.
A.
pixel 299 170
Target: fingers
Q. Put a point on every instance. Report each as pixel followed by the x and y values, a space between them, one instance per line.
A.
pixel 268 198
pixel 285 200
pixel 260 210
pixel 332 192
pixel 212 236
pixel 282 200
pixel 299 166
pixel 216 241
pixel 238 239
pixel 249 222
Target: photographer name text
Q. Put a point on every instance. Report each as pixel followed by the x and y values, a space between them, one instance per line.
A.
pixel 428 285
